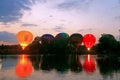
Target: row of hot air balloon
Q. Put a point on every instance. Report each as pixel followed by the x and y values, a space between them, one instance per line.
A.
pixel 24 66
pixel 25 38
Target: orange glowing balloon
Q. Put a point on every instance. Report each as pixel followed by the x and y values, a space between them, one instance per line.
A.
pixel 89 40
pixel 23 67
pixel 24 38
pixel 89 64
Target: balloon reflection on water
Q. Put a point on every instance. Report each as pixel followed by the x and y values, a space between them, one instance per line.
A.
pixel 89 64
pixel 63 64
pixel 24 66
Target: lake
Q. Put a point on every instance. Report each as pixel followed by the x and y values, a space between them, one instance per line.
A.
pixel 62 67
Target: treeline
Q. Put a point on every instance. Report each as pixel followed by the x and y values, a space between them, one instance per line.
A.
pixel 106 46
pixel 10 49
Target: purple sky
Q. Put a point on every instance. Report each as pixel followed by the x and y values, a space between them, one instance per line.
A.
pixel 55 16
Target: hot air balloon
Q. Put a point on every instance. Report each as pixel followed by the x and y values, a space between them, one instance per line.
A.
pixel 89 64
pixel 89 41
pixel 76 39
pixel 46 38
pixel 23 67
pixel 62 35
pixel 24 38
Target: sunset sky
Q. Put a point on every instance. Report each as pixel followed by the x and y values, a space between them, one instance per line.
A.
pixel 55 16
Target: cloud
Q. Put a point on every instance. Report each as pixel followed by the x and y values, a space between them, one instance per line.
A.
pixel 6 25
pixel 85 30
pixel 74 4
pixel 58 28
pixel 29 25
pixel 6 36
pixel 10 10
pixel 117 18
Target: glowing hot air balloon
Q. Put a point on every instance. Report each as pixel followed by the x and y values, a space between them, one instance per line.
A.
pixel 89 64
pixel 89 40
pixel 23 67
pixel 24 38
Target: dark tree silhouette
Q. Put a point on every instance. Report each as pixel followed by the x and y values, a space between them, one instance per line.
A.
pixel 107 45
pixel 35 46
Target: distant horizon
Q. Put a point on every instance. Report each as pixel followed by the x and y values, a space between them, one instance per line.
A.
pixel 8 43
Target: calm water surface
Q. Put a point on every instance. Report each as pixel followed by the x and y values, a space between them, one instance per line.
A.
pixel 62 67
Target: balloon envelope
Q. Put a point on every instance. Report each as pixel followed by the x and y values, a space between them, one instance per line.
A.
pixel 46 38
pixel 24 38
pixel 89 40
pixel 23 67
pixel 62 35
pixel 89 64
pixel 76 39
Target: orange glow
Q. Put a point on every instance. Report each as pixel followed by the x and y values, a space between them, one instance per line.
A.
pixel 23 59
pixel 89 40
pixel 23 67
pixel 89 64
pixel 24 38
pixel 88 49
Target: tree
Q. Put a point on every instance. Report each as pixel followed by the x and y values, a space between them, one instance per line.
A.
pixel 35 46
pixel 107 44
